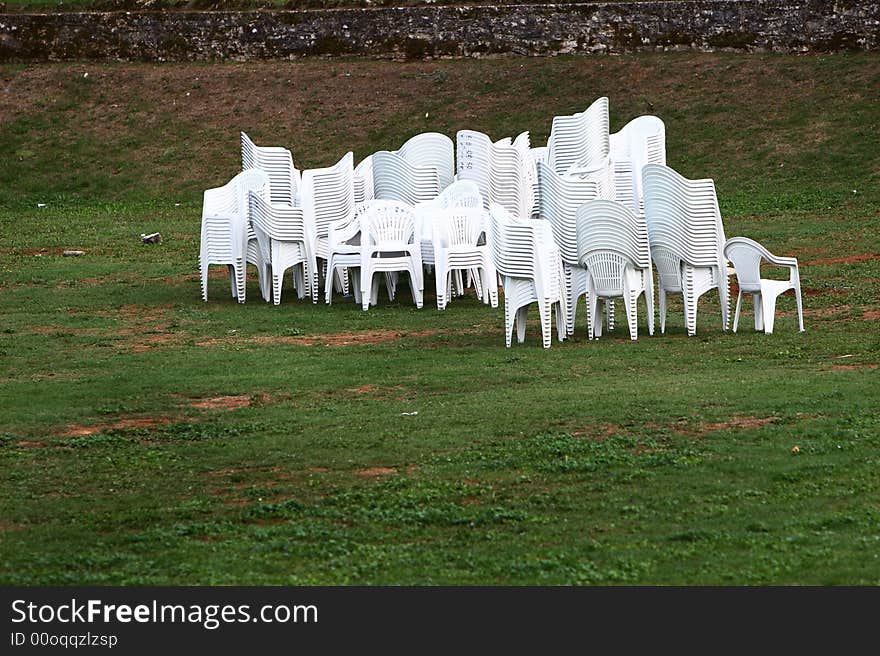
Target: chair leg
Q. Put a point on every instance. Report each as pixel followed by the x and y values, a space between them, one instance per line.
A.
pixel 759 311
pixel 416 289
pixel 203 266
pixel 800 309
pixel 768 303
pixel 739 298
pixel 649 306
pixel 609 313
pixel 544 312
pixel 240 269
pixel 521 314
pixel 508 322
pixel 630 302
pixel 365 289
pixel 441 282
pixel 662 303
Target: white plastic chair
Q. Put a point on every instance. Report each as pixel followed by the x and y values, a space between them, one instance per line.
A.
pixel 363 180
pixel 528 261
pixel 746 255
pixel 613 248
pixel 277 162
pixel 225 231
pixel 327 196
pixel 287 240
pixel 459 194
pixel 504 171
pixel 580 141
pixel 559 198
pixel 641 141
pixel 687 240
pixel 396 178
pixel 431 149
pixel 456 241
pixel 389 244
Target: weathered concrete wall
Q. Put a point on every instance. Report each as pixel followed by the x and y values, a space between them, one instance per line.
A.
pixel 745 25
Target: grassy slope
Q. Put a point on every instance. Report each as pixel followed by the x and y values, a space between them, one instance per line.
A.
pixel 667 460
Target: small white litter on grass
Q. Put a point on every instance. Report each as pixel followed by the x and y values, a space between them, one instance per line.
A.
pixel 409 414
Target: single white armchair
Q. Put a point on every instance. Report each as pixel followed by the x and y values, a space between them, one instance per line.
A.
pixel 746 256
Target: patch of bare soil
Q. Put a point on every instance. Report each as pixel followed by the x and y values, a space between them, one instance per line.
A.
pixel 736 422
pixel 871 314
pixel 854 367
pixel 332 339
pixel 78 430
pixel 601 432
pixel 851 259
pixel 372 472
pixel 222 402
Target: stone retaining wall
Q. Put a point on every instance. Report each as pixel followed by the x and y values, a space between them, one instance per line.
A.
pixel 420 32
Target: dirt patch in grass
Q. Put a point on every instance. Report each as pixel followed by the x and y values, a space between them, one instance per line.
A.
pixel 333 339
pixel 31 444
pixel 599 433
pixel 127 423
pixel 222 402
pixel 853 367
pixel 851 259
pixel 737 422
pixel 373 472
pixel 871 314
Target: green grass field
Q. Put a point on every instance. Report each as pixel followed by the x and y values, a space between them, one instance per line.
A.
pixel 147 437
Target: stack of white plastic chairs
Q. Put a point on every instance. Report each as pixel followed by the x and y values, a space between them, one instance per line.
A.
pixel 431 149
pixel 389 244
pixel 363 180
pixel 396 178
pixel 641 141
pixel 528 261
pixel 327 196
pixel 457 248
pixel 284 183
pixel 226 229
pixel 459 194
pixel 512 177
pixel 504 171
pixel 473 153
pixel 687 240
pixel 559 198
pixel 580 142
pixel 287 240
pixel 612 244
pixel 277 163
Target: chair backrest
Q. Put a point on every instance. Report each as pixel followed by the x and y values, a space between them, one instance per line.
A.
pixel 328 193
pixel 641 141
pixel 514 242
pixel 277 162
pixel 363 180
pixel 395 178
pixel 559 198
pixel 226 208
pixel 431 149
pixel 610 238
pixel 461 193
pixel 607 225
pixel 387 225
pixel 512 176
pixel 459 227
pixel 682 216
pixel 746 254
pixel 579 139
